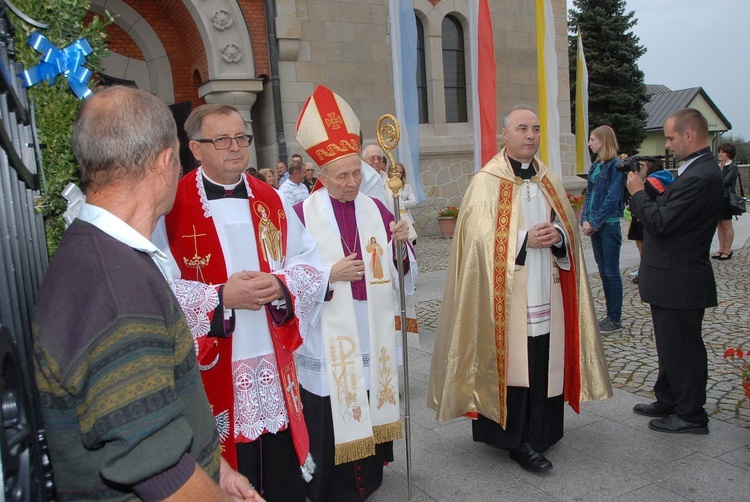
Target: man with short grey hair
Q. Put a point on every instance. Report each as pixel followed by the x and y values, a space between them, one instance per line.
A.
pixel 125 412
pixel 373 155
pixel 374 176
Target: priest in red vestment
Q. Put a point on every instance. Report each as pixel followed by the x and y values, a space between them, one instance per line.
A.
pixel 251 277
pixel 348 363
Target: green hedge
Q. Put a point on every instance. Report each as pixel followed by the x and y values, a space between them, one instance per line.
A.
pixel 56 106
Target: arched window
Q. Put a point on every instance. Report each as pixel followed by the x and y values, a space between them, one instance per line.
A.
pixel 424 112
pixel 454 71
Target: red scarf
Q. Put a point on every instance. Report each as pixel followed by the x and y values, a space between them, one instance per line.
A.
pixel 197 250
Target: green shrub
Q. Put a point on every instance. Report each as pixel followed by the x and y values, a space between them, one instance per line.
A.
pixel 56 106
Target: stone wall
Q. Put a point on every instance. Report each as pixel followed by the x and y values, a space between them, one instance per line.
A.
pixel 445 179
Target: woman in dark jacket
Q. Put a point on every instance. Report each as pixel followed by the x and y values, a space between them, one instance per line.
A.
pixel 602 210
pixel 730 171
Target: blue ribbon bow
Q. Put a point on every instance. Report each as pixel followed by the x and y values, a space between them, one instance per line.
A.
pixel 68 61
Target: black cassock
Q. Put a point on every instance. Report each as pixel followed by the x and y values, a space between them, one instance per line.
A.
pixel 351 481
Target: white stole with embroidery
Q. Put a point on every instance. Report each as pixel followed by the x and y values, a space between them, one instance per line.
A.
pixel 358 424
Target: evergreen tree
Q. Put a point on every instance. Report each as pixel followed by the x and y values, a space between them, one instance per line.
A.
pixel 617 93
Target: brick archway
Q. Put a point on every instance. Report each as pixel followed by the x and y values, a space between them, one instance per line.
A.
pixel 153 73
pixel 175 39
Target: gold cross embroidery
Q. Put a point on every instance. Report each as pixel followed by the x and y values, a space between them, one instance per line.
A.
pixel 196 261
pixel 333 121
pixel 345 350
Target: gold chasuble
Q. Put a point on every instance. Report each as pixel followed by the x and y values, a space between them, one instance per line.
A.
pixel 480 348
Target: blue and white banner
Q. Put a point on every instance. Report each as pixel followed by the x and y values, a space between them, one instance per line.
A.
pixel 404 55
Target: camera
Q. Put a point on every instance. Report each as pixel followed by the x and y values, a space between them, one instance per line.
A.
pixel 633 164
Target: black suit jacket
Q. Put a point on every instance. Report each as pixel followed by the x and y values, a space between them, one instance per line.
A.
pixel 679 225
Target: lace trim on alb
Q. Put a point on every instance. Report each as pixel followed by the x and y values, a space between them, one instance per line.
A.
pixel 197 300
pixel 304 282
pixel 258 398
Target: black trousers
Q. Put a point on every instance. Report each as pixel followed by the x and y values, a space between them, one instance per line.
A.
pixel 683 363
pixel 271 465
pixel 348 482
pixel 532 416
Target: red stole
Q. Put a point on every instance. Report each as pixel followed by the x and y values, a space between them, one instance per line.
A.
pixel 195 246
pixel 569 288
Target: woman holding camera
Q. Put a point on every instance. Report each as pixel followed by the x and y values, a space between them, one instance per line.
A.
pixel 729 171
pixel 602 210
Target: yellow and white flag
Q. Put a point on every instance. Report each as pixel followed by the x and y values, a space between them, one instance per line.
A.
pixel 582 111
pixel 549 150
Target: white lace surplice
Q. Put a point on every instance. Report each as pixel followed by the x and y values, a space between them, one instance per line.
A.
pixel 259 402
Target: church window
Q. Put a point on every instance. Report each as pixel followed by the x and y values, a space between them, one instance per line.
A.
pixel 424 112
pixel 454 71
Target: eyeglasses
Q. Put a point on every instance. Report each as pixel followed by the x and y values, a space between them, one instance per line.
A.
pixel 224 142
pixel 373 158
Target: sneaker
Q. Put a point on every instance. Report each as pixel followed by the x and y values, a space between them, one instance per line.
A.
pixel 609 326
pixel 634 273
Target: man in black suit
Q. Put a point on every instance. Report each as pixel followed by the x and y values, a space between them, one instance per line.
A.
pixel 676 277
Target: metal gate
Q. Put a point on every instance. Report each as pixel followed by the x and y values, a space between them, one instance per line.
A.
pixel 23 261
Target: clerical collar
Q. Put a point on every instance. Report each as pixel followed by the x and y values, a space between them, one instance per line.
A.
pixel 524 170
pixel 216 190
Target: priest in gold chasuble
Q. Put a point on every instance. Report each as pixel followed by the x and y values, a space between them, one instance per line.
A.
pixel 517 335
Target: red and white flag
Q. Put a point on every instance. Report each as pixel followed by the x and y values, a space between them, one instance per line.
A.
pixel 484 102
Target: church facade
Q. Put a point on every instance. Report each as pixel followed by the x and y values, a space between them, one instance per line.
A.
pixel 266 56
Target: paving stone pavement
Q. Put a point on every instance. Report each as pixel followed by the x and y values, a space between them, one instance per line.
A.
pixel 608 453
pixel 631 353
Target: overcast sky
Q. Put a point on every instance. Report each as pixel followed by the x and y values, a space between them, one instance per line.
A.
pixel 698 43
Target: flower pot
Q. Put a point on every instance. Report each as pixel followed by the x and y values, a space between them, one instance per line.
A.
pixel 447 226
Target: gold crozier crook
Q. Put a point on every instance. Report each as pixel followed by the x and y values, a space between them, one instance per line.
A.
pixel 388 133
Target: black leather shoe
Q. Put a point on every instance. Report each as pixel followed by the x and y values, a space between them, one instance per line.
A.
pixel 530 459
pixel 655 409
pixel 675 425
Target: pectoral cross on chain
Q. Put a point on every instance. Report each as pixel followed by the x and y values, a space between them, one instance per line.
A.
pixel 196 261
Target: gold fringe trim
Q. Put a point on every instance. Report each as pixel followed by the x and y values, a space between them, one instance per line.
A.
pixel 354 450
pixel 387 432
